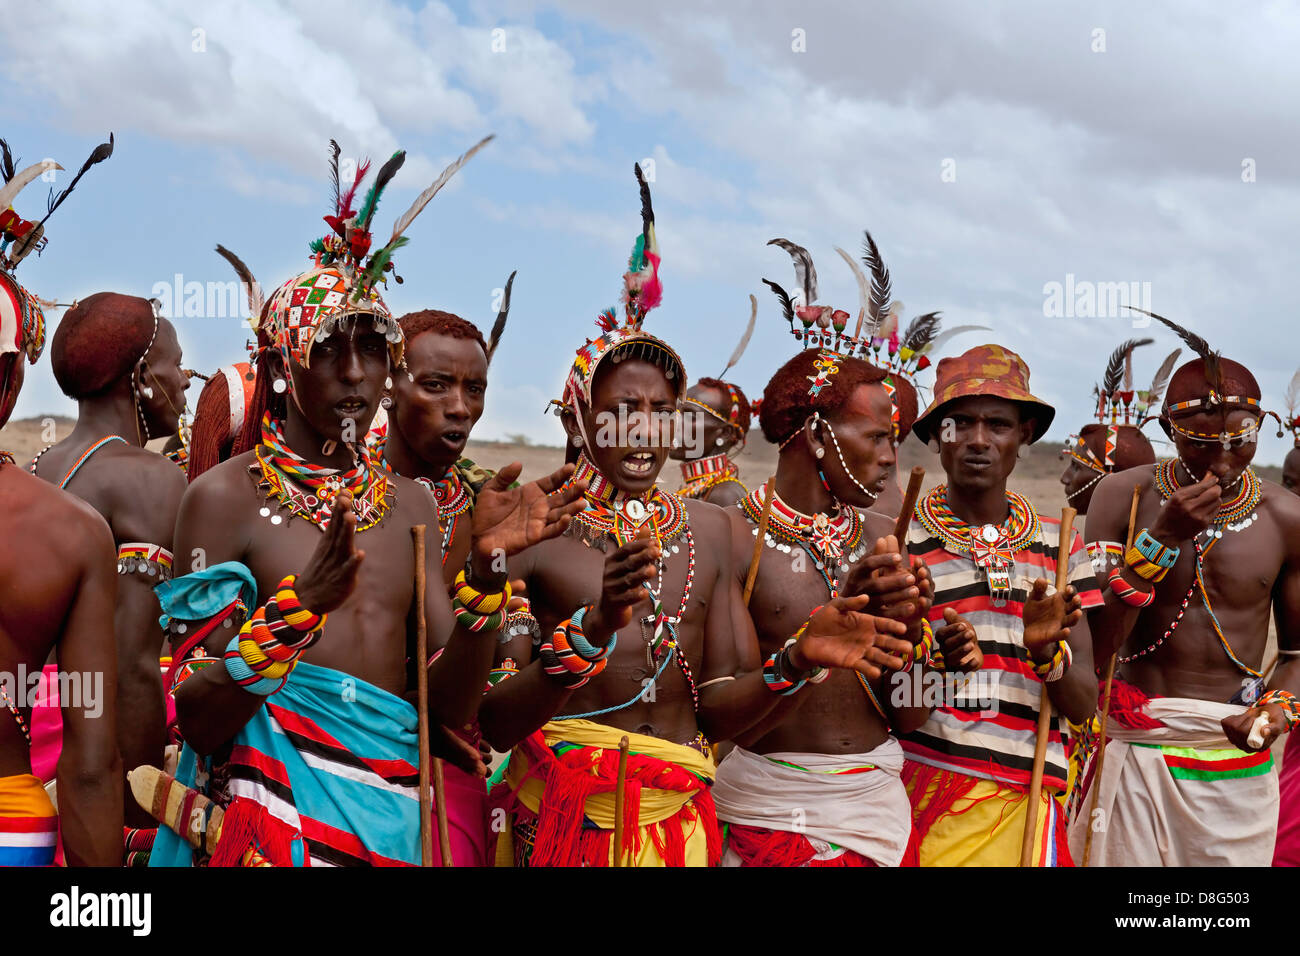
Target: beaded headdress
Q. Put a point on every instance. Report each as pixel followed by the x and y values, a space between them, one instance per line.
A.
pixel 1216 397
pixel 22 323
pixel 642 291
pixel 345 276
pixel 875 338
pixel 1116 398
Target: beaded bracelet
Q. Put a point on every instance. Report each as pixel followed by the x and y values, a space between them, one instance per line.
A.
pixel 479 611
pixel 584 667
pixel 556 669
pixel 1287 701
pixel 578 640
pixel 246 677
pixel 818 674
pixel 1155 552
pixel 921 651
pixel 774 677
pixel 1144 568
pixel 1055 669
pixel 1126 592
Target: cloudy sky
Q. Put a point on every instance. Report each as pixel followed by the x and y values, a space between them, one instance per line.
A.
pixel 991 149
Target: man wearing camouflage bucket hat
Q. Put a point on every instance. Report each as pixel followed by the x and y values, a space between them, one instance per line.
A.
pixel 969 766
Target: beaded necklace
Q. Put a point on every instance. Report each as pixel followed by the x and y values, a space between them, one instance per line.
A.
pixel 279 474
pixel 12 707
pixel 704 475
pixel 6 458
pixel 1228 515
pixel 454 499
pixel 833 541
pixel 992 547
pixel 614 515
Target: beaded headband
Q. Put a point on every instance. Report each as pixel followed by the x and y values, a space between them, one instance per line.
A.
pixel 642 291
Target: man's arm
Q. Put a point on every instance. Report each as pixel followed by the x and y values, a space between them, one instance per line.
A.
pixel 90 771
pixel 1111 622
pixel 141 705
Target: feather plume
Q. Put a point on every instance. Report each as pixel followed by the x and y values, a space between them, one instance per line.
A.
pixel 335 192
pixel 744 339
pixel 956 330
pixel 921 331
pixel 787 307
pixel 382 179
pixel 1115 367
pixel 881 285
pixel 346 200
pixel 251 286
pixel 1197 344
pixel 17 182
pixel 375 266
pixel 6 161
pixel 1292 396
pixel 422 200
pixel 647 210
pixel 97 155
pixel 888 328
pixel 1162 376
pixel 805 273
pixel 864 291
pixel 499 326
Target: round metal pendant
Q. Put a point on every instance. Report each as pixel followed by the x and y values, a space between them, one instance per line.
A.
pixel 276 519
pixel 635 510
pixel 990 533
pixel 265 512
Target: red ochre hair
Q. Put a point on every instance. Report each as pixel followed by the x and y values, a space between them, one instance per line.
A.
pixel 743 417
pixel 210 439
pixel 98 342
pixel 441 323
pixel 786 404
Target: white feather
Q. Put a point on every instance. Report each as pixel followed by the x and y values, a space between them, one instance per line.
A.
pixel 10 190
pixel 422 200
pixel 864 290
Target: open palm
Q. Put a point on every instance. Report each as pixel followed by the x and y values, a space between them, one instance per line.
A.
pixel 509 520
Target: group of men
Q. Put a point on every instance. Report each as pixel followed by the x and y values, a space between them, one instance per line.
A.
pixel 883 688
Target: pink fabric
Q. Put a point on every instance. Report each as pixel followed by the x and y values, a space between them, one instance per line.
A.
pixel 47 727
pixel 1286 852
pixel 467 818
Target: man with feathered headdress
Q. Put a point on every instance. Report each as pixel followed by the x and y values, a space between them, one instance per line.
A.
pixel 320 705
pixel 642 632
pixel 59 584
pixel 1188 778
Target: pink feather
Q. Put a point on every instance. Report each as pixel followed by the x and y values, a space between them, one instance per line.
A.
pixel 345 201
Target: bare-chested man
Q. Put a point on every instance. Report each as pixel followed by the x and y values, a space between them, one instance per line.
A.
pixel 1188 777
pixel 818 783
pixel 638 610
pixel 302 723
pixel 1287 851
pixel 59 585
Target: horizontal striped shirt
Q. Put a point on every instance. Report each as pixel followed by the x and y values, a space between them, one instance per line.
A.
pixel 994 739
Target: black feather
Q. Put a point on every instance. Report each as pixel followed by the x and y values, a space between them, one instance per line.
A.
pixel 881 286
pixel 382 179
pixel 1197 344
pixel 647 210
pixel 1110 381
pixel 786 305
pixel 97 155
pixel 499 326
pixel 6 161
pixel 805 273
pixel 335 192
pixel 920 332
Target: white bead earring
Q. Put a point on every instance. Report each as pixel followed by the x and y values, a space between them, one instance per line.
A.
pixel 388 382
pixel 279 386
pixel 577 441
pixel 820 453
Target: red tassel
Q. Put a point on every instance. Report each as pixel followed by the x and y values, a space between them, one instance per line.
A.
pixel 249 824
pixel 1128 706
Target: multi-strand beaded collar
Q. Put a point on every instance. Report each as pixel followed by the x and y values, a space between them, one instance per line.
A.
pixel 704 475
pixel 614 515
pixel 992 547
pixel 833 541
pixel 454 499
pixel 308 491
pixel 1236 514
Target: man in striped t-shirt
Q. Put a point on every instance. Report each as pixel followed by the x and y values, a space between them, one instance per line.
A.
pixel 992 558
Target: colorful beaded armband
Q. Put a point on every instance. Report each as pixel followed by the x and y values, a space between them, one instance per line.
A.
pixel 1144 568
pixel 1126 592
pixel 1055 669
pixel 267 648
pixel 1155 552
pixel 1287 701
pixel 922 652
pixel 478 611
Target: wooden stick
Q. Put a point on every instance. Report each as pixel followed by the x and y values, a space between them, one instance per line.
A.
pixel 769 491
pixel 1044 701
pixel 440 805
pixel 1105 701
pixel 619 786
pixel 422 697
pixel 909 505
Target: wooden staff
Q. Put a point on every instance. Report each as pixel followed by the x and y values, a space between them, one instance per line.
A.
pixel 440 804
pixel 620 784
pixel 422 698
pixel 1044 701
pixel 909 505
pixel 1105 700
pixel 769 491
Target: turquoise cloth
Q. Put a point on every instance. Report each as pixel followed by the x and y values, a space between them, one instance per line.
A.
pixel 201 594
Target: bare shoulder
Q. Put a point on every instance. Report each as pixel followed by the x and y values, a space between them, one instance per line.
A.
pixel 1281 506
pixel 35 507
pixel 224 486
pixel 707 520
